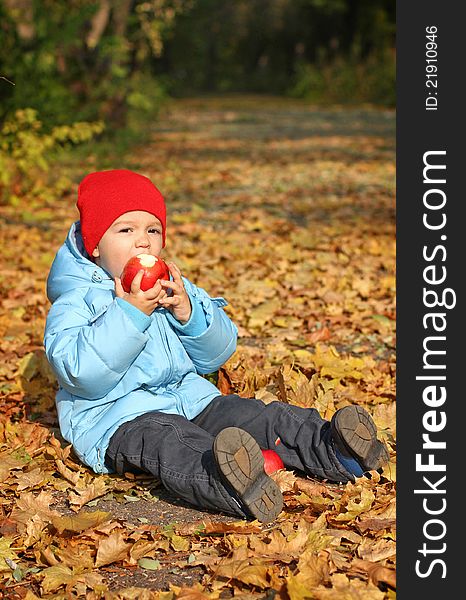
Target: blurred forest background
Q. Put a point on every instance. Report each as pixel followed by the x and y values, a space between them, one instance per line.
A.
pixel 76 70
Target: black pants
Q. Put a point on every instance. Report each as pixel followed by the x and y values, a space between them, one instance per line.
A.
pixel 179 453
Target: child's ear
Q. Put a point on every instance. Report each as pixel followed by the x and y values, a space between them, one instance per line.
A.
pixel 95 252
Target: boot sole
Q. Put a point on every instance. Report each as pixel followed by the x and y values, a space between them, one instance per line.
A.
pixel 241 464
pixel 354 428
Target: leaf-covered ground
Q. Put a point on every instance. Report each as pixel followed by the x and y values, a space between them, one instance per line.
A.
pixel 288 212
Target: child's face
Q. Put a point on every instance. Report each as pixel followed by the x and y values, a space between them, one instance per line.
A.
pixel 135 232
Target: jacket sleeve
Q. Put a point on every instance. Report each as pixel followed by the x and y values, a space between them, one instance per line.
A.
pixel 88 353
pixel 209 346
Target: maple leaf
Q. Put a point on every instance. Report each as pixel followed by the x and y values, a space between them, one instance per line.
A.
pixel 34 529
pixel 75 556
pixel 80 522
pixel 313 488
pixel 343 588
pixel 112 549
pixel 142 549
pixel 377 573
pixel 30 596
pixel 376 550
pixel 249 571
pixel 57 450
pixel 6 553
pixel 286 547
pixel 357 505
pixel 313 570
pixel 331 364
pixel 30 479
pixel 79 497
pixel 193 593
pixel 62 576
pixel 240 527
pixel 29 506
pixel 375 524
pixel 10 463
pixel 68 474
pixel 286 480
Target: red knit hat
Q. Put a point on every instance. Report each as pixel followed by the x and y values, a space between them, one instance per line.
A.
pixel 106 195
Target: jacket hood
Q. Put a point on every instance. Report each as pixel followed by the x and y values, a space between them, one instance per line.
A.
pixel 72 269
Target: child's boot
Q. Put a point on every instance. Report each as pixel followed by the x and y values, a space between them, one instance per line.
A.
pixel 241 465
pixel 355 438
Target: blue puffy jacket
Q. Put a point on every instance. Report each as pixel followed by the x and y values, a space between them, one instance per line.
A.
pixel 113 363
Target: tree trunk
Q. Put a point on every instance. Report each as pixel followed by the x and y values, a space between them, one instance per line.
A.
pixel 98 24
pixel 121 10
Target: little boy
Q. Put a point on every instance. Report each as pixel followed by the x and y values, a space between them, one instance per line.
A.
pixel 131 394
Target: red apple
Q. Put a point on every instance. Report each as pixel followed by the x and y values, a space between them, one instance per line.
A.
pixel 272 462
pixel 154 269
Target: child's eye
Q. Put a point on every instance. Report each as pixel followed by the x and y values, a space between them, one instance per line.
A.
pixel 125 229
pixel 154 230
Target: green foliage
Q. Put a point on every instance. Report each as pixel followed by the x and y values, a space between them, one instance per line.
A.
pixel 89 60
pixel 26 152
pixel 347 81
pixel 44 66
pixel 224 47
pixel 146 97
pixel 81 62
pixel 212 377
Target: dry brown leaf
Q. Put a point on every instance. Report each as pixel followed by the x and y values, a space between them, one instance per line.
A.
pixel 30 596
pixel 31 479
pixel 142 548
pixel 80 522
pixel 10 463
pixel 321 335
pixel 347 534
pixel 281 546
pixel 375 524
pixel 239 527
pixel 76 556
pixel 377 573
pixel 34 529
pixel 61 453
pixel 312 488
pixel 28 506
pixel 343 588
pixel 313 570
pixel 112 549
pixel 6 553
pixel 68 474
pixel 61 576
pixel 194 593
pixel 96 489
pixel 249 571
pixel 357 505
pixel 286 480
pixel 375 551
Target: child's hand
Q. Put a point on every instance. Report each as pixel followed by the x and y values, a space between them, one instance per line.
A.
pixel 146 301
pixel 178 303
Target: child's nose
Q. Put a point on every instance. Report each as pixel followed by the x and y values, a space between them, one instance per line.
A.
pixel 143 241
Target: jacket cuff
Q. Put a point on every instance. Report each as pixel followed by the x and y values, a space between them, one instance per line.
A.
pixel 197 323
pixel 139 319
